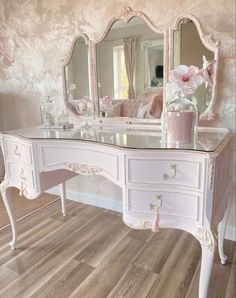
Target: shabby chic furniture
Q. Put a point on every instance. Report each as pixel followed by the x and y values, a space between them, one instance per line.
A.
pixel 186 188
pixel 90 69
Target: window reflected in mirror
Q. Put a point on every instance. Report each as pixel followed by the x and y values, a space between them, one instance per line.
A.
pixel 77 79
pixel 188 49
pixel 130 71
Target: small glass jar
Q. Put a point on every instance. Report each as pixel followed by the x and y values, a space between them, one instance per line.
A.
pixel 180 120
pixel 48 111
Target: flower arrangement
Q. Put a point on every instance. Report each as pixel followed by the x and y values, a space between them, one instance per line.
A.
pixel 186 79
pixel 180 117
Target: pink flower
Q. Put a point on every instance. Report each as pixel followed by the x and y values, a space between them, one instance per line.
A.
pixel 188 78
pixel 207 71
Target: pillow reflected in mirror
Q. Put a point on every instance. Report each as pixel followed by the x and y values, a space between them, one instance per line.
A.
pixel 155 107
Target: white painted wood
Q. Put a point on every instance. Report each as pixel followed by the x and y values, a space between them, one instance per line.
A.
pixel 206 269
pixel 174 203
pixel 151 169
pixel 19 151
pixel 7 200
pixel 74 154
pixel 63 198
pixel 221 232
pixel 186 183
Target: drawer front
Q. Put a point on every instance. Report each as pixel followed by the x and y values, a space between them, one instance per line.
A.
pixel 143 203
pixel 18 151
pixel 160 171
pixel 18 174
pixel 80 160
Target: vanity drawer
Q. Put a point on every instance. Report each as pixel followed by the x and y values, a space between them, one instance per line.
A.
pixel 18 174
pixel 142 203
pixel 18 151
pixel 177 172
pixel 80 160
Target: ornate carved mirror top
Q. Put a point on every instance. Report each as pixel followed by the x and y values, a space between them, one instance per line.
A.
pixel 122 74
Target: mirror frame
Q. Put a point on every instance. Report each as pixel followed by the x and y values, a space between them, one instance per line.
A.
pixel 212 45
pixel 126 14
pixel 66 61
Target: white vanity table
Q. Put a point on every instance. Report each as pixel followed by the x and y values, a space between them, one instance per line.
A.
pixel 184 188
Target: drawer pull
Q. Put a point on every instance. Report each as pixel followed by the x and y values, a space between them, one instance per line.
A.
pixel 156 222
pixel 155 207
pixel 17 152
pixel 23 183
pixel 172 176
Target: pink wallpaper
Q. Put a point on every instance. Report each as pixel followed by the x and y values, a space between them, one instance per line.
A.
pixel 35 36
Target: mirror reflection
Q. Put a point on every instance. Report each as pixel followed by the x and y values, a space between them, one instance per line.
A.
pixel 188 49
pixel 130 71
pixel 77 79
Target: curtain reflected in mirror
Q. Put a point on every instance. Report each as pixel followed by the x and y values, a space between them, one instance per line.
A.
pixel 77 80
pixel 130 71
pixel 188 49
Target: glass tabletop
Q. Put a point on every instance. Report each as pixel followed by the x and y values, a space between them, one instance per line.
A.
pixel 208 139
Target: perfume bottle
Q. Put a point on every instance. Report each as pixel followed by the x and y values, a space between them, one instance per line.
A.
pixel 48 111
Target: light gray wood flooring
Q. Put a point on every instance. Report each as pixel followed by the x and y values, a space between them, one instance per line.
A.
pixel 92 253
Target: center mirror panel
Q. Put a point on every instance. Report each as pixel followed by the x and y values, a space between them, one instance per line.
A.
pixel 130 71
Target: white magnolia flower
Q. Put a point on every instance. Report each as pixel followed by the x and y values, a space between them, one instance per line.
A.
pixel 188 78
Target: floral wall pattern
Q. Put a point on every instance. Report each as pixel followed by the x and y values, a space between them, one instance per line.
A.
pixel 36 36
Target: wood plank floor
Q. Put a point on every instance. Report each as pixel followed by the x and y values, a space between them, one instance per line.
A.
pixel 91 253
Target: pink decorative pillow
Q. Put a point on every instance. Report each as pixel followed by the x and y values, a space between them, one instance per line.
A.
pixel 155 107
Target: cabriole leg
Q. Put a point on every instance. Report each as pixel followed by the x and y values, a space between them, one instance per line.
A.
pixel 6 196
pixel 63 198
pixel 221 234
pixel 207 241
pixel 206 268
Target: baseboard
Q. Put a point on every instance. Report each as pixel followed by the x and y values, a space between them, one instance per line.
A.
pixel 111 204
pixel 230 233
pixel 107 203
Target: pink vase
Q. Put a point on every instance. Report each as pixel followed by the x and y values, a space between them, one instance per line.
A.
pixel 180 125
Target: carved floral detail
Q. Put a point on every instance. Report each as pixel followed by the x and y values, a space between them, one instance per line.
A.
pixel 140 225
pixel 211 169
pixel 211 39
pixel 205 237
pixel 83 169
pixel 3 186
pixel 126 13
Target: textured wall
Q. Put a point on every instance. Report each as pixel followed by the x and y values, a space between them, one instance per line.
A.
pixel 36 35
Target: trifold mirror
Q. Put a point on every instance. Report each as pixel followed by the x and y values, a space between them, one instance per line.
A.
pixel 122 74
